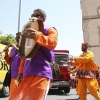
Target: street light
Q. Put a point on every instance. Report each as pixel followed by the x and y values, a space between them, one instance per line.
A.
pixel 19 15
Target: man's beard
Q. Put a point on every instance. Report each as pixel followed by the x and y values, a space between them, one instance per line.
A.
pixel 83 50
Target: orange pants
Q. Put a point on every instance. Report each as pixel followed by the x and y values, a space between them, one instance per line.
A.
pixel 31 88
pixel 12 85
pixel 91 85
pixel 50 84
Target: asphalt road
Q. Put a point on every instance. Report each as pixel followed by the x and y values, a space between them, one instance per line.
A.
pixel 54 94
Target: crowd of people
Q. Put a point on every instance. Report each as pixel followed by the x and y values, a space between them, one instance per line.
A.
pixel 31 79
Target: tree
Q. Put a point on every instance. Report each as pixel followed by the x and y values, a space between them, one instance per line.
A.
pixel 6 40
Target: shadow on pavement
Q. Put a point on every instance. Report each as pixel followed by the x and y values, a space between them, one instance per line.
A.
pixel 55 92
pixel 59 92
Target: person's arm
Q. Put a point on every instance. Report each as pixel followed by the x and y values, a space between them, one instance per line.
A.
pixel 74 63
pixel 73 71
pixel 95 66
pixel 89 57
pixel 49 41
pixel 7 57
pixel 21 67
pixel 20 73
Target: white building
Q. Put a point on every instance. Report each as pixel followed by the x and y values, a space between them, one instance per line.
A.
pixel 91 26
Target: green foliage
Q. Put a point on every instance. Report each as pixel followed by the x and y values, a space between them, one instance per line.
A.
pixel 6 40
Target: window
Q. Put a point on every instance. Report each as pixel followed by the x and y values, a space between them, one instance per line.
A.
pixel 61 59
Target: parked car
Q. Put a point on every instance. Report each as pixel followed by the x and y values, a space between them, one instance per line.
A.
pixel 4 90
pixel 64 80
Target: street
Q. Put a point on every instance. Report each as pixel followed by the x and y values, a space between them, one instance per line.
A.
pixel 54 94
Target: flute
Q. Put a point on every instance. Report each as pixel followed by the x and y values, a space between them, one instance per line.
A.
pixel 4 49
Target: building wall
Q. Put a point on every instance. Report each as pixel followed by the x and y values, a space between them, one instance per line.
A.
pixel 91 26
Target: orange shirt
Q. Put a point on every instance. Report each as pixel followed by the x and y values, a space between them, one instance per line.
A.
pixel 49 41
pixel 85 62
pixel 7 59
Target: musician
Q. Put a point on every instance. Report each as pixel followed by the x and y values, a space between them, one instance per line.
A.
pixel 37 72
pixel 98 78
pixel 13 60
pixel 86 73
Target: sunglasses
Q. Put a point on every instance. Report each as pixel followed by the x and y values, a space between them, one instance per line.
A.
pixel 36 15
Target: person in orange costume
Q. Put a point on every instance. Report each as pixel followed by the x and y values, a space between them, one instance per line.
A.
pixel 98 78
pixel 13 60
pixel 74 81
pixel 37 72
pixel 86 73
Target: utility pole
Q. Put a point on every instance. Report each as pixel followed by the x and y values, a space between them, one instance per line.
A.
pixel 19 15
